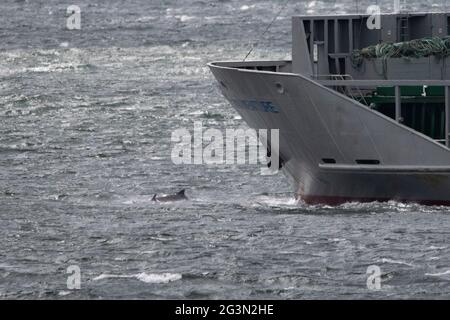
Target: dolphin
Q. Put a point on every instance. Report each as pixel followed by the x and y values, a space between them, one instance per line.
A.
pixel 170 198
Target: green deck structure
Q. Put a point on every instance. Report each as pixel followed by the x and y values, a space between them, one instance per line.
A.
pixel 423 107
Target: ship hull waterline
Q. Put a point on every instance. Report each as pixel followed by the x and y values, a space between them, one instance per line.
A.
pixel 368 156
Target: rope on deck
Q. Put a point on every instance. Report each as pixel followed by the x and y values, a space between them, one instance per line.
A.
pixel 417 48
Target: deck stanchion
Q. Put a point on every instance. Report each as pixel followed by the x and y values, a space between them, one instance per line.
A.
pixel 350 35
pixel 336 44
pixel 311 40
pixel 398 104
pixel 447 115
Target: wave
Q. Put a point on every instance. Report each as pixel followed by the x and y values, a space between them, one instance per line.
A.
pixel 272 201
pixel 144 277
pixel 436 248
pixel 246 7
pixel 439 274
pixel 386 260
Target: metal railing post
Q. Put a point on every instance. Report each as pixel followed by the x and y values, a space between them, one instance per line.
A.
pixel 447 115
pixel 398 104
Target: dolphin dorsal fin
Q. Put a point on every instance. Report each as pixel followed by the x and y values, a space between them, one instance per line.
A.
pixel 181 193
pixel 154 197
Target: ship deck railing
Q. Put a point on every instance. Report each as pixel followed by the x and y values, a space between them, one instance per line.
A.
pixel 367 83
pixel 283 66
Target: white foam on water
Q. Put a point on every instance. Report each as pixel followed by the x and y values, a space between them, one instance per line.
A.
pixel 138 200
pixel 289 288
pixel 144 277
pixel 437 248
pixel 54 67
pixel 185 18
pixel 311 4
pixel 433 258
pixel 120 259
pixel 277 202
pixel 196 113
pixel 162 239
pixel 387 260
pixel 149 252
pixel 246 7
pixel 6 266
pixel 337 240
pixel 440 274
pixel 159 278
pixel 108 276
pixel 147 19
pixel 287 252
pixel 375 207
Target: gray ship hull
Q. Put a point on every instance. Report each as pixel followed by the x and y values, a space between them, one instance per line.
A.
pixel 335 149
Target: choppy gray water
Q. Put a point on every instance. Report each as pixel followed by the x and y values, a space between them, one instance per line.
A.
pixel 85 125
